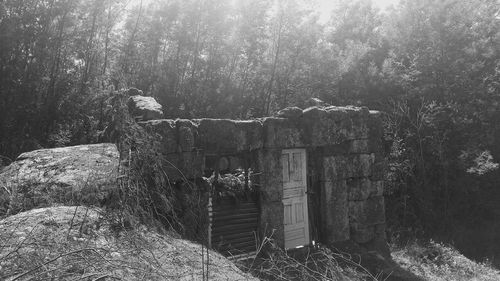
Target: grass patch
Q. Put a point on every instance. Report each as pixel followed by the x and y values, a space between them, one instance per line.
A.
pixel 436 261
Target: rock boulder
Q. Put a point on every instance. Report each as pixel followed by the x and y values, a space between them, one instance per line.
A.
pixel 144 108
pixel 75 174
pixel 290 112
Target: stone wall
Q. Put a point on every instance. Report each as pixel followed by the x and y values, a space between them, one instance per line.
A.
pixel 346 164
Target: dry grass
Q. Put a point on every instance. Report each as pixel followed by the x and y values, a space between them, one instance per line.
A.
pixel 311 263
pixel 436 262
pixel 80 243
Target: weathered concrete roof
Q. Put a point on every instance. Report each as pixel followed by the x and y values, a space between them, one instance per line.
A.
pixel 293 127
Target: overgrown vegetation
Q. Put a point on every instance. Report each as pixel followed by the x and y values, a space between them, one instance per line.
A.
pixel 81 243
pixel 318 263
pixel 432 66
pixel 145 190
pixel 236 185
pixel 435 261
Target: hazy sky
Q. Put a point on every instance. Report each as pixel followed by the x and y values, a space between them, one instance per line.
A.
pixel 328 4
pixel 325 6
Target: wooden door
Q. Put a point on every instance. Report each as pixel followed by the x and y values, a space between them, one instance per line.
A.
pixel 296 222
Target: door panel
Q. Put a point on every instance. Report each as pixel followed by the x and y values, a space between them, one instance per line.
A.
pixel 297 166
pixel 295 198
pixel 293 193
pixel 286 169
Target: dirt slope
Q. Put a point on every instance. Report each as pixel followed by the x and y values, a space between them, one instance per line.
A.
pixel 80 243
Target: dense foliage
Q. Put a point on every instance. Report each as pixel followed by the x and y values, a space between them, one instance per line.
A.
pixel 433 66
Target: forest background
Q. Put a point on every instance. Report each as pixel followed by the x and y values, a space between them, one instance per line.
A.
pixel 432 67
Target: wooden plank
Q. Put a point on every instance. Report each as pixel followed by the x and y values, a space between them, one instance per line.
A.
pixel 293 192
pixel 217 205
pixel 232 231
pixel 243 256
pixel 234 241
pixel 237 252
pixel 236 211
pixel 240 250
pixel 242 245
pixel 232 228
pixel 237 216
pixel 297 166
pixel 226 221
pixel 235 206
pixel 233 237
pixel 221 224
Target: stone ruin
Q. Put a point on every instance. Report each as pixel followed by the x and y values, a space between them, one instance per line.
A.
pixel 345 165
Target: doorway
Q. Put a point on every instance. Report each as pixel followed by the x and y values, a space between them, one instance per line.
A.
pixel 296 219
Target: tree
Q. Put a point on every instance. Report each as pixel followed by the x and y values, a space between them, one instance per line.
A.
pixel 441 58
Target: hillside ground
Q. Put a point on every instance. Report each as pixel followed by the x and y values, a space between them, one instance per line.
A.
pixel 438 262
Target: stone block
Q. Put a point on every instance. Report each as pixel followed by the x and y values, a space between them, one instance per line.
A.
pixel 187 134
pixel 362 233
pixel 379 167
pixel 271 178
pixel 334 205
pixel 144 108
pixel 379 242
pixel 225 136
pixel 217 135
pixel 375 145
pixel 315 102
pixel 362 165
pixel 334 125
pixel 271 193
pixel 282 133
pixel 313 112
pixel 336 149
pixel 375 132
pixel 271 221
pixel 193 164
pixel 359 146
pixel 367 212
pixel 235 163
pixel 185 165
pixel 223 163
pixel 165 132
pixel 333 168
pixel 251 135
pixel 290 112
pixel 350 166
pixel 372 234
pixel 380 231
pixel 360 189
